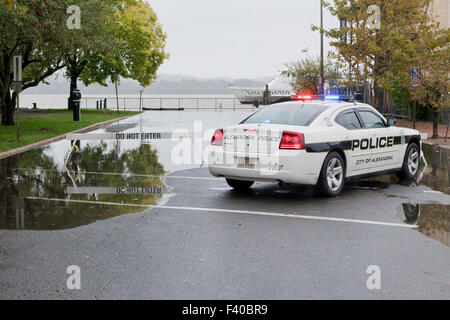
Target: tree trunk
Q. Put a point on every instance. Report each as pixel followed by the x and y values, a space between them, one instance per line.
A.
pixel 8 106
pixel 375 95
pixel 435 124
pixel 73 85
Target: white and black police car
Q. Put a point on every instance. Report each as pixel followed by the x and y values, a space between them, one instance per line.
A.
pixel 317 142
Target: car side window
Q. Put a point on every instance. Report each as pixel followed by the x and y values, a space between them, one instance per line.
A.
pixel 348 120
pixel 371 119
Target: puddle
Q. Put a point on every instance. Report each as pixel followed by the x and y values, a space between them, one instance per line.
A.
pixel 99 173
pixel 117 172
pixel 433 220
pixel 437 174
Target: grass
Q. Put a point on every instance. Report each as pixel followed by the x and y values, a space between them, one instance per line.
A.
pixel 44 124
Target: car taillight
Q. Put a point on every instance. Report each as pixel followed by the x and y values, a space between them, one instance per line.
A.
pixel 217 138
pixel 292 140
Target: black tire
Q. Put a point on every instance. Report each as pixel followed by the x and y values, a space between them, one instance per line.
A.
pixel 323 186
pixel 405 172
pixel 240 184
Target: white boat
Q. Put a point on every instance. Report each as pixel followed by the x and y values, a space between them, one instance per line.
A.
pixel 280 90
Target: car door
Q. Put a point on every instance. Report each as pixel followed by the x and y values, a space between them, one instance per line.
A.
pixel 353 132
pixel 384 142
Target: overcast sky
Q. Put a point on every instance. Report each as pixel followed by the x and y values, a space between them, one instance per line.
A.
pixel 238 38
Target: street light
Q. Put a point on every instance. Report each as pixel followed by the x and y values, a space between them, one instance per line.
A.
pixel 115 79
pixel 322 80
pixel 141 90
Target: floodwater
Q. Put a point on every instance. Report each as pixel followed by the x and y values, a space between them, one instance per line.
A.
pixel 98 180
pixel 30 177
pixel 433 220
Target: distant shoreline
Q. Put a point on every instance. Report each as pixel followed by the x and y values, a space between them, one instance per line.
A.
pixel 129 101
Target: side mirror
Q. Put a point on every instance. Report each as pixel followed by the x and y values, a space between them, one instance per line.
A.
pixel 391 122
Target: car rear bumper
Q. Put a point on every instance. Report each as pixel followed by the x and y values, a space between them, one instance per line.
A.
pixel 288 166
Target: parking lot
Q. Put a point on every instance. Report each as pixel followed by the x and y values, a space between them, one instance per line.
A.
pixel 144 219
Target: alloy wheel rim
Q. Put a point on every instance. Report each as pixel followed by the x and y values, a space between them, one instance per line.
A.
pixel 334 174
pixel 413 161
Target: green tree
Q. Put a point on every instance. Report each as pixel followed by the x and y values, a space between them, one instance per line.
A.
pixel 28 29
pixel 79 46
pixel 306 73
pixel 139 47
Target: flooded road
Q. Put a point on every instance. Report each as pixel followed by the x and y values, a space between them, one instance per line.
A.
pixel 152 222
pixel 109 171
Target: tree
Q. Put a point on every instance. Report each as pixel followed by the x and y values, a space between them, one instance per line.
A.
pixel 92 39
pixel 138 50
pixel 370 50
pixel 28 29
pixel 433 82
pixel 306 73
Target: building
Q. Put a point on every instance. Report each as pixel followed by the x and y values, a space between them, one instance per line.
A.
pixel 439 10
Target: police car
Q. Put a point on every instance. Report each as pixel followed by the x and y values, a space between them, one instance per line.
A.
pixel 319 142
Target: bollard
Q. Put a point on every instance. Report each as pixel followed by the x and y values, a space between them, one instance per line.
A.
pixel 101 104
pixel 105 103
pixel 256 103
pixel 34 105
pixel 97 104
pixel 76 100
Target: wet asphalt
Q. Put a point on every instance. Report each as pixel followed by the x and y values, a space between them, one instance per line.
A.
pixel 204 240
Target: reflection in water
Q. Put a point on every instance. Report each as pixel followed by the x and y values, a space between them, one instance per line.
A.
pixel 433 220
pixel 34 174
pixel 437 175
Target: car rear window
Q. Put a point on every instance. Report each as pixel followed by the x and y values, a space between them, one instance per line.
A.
pixel 291 114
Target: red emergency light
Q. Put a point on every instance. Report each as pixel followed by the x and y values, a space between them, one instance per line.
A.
pixel 303 97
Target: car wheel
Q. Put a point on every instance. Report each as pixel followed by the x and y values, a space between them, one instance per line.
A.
pixel 411 162
pixel 239 184
pixel 332 176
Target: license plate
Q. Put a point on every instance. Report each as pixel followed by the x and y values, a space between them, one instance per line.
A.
pixel 246 162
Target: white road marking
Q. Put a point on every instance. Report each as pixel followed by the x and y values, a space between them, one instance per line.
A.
pixel 432 191
pixel 260 213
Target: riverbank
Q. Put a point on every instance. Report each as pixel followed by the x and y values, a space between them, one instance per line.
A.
pixel 41 125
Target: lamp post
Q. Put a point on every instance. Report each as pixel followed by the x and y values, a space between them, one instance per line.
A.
pixel 141 90
pixel 322 80
pixel 115 77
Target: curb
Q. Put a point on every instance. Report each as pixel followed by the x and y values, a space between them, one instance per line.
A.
pixel 38 144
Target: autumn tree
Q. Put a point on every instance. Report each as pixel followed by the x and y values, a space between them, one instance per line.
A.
pixel 433 59
pixel 367 42
pixel 306 73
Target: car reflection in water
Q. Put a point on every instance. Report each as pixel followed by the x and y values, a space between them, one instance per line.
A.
pixel 437 175
pixel 99 175
pixel 433 220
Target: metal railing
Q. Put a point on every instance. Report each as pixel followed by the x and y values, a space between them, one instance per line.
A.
pixel 186 103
